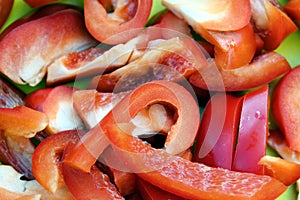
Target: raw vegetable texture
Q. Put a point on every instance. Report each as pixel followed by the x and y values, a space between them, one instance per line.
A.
pixel 149 99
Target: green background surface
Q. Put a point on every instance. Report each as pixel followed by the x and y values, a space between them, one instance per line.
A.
pixel 290 48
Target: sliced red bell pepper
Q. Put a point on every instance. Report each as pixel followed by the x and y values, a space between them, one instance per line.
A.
pixel 233 49
pixel 6 7
pixel 22 121
pixel 130 20
pixel 46 166
pixel 89 185
pixel 267 19
pixel 263 69
pixel 179 139
pixel 218 131
pixel 172 60
pixel 285 171
pixel 36 99
pixel 292 8
pixel 166 171
pixel 285 107
pixel 253 132
pixel 189 179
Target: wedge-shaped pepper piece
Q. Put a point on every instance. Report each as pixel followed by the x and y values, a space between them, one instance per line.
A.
pixel 253 131
pixel 286 171
pixel 6 7
pixel 26 50
pixel 89 185
pixel 22 121
pixel 285 106
pixel 218 131
pixel 46 166
pixel 263 69
pixel 188 179
pixel 292 8
pixel 273 24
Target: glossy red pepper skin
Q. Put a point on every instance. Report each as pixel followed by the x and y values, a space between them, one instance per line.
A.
pixel 285 107
pixel 179 139
pixel 218 131
pixel 253 132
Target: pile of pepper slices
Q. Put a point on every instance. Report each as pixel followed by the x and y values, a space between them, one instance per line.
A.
pixel 129 126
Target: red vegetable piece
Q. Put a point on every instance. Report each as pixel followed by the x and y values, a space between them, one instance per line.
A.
pixel 89 185
pixel 124 181
pixel 58 107
pixel 172 60
pixel 22 121
pixel 5 8
pixel 292 8
pixel 196 180
pixel 151 192
pixel 234 49
pixel 46 159
pixel 253 132
pixel 84 155
pixel 285 171
pixel 263 69
pixel 36 99
pixel 14 150
pixel 67 34
pixel 86 152
pixel 92 106
pixel 171 21
pixel 218 131
pixel 42 12
pixel 272 23
pixel 285 107
pixel 127 20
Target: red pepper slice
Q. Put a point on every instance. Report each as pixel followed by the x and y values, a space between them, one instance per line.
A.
pixel 286 171
pixel 111 31
pixel 46 166
pixel 6 7
pixel 292 8
pixel 267 18
pixel 218 131
pixel 253 131
pixel 196 180
pixel 263 69
pixel 285 107
pixel 88 185
pixel 232 49
pixel 189 179
pixel 179 139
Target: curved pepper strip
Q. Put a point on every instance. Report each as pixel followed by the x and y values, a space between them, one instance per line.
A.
pixel 172 173
pixel 263 69
pixel 111 31
pixel 179 139
pixel 189 179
